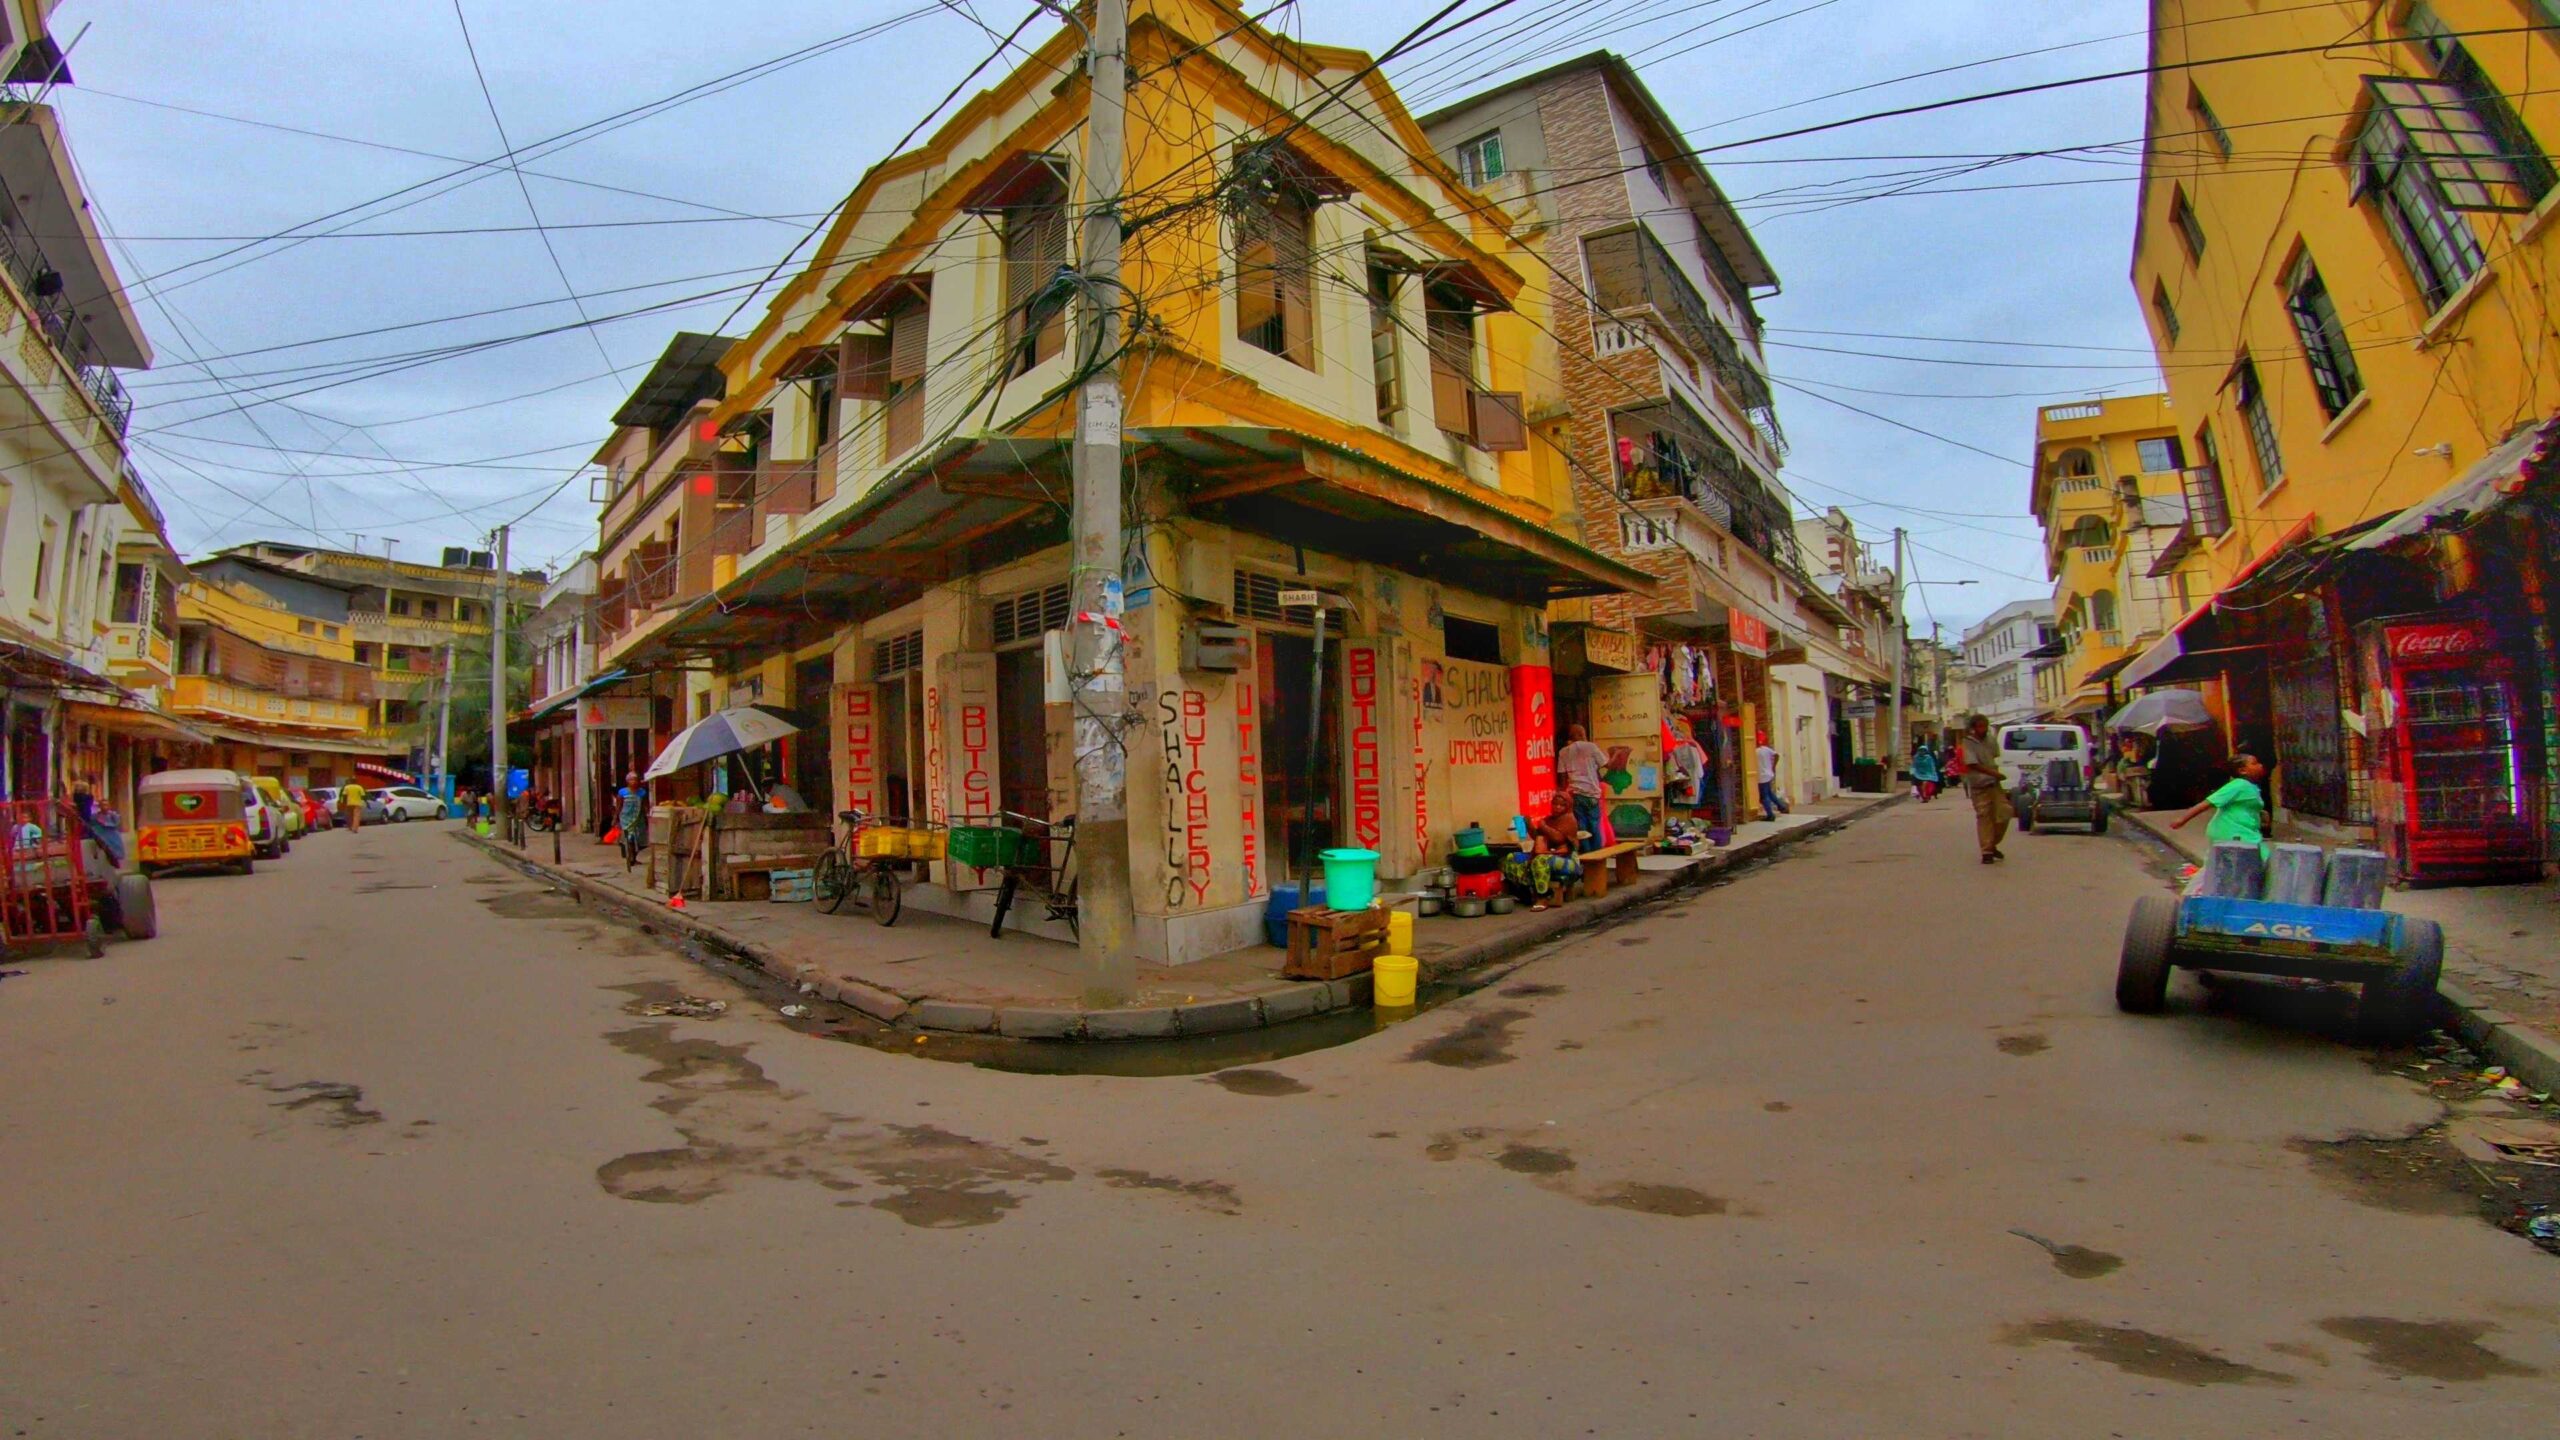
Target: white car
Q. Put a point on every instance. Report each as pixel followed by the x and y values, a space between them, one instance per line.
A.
pixel 407 802
pixel 267 835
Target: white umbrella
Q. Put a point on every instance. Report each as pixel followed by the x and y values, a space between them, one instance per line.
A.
pixel 2163 710
pixel 725 733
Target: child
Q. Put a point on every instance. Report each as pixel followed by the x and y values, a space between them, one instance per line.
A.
pixel 2239 807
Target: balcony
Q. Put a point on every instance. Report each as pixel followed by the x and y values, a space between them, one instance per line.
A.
pixel 2097 554
pixel 139 649
pixel 1635 279
pixel 51 252
pixel 219 699
pixel 1674 452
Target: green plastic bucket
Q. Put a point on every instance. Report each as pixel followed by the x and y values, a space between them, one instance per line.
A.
pixel 1350 878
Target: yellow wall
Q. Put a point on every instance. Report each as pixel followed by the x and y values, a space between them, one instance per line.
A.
pixel 2456 376
pixel 2109 433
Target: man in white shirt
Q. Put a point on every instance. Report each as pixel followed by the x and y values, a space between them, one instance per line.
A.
pixel 1771 807
pixel 1578 767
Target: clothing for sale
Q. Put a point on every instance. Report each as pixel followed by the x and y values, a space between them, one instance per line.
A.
pixel 1688 766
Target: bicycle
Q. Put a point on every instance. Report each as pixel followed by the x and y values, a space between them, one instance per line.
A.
pixel 1049 877
pixel 843 871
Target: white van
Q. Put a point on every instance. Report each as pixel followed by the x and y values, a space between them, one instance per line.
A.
pixel 2026 749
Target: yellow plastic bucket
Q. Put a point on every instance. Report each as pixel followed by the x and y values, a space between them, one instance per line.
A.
pixel 1393 978
pixel 1399 932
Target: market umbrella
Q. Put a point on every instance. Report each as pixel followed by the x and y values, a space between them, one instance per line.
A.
pixel 726 733
pixel 2163 710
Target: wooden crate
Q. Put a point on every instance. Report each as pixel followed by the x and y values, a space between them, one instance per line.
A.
pixel 1330 944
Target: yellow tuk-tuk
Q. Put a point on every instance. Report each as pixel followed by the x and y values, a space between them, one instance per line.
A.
pixel 187 818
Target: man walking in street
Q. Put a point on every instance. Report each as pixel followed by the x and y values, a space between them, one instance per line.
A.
pixel 351 805
pixel 1578 765
pixel 1771 807
pixel 1986 785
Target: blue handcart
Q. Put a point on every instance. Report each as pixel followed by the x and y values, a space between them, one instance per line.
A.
pixel 2296 911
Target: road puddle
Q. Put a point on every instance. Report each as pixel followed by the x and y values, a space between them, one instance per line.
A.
pixel 2140 1352
pixel 2448 1350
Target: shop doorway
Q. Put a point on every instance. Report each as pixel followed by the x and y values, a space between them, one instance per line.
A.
pixel 1299 821
pixel 812 683
pixel 1022 730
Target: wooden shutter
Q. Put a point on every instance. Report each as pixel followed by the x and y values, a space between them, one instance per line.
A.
pixel 1035 249
pixel 1497 420
pixel 1293 252
pixel 1452 341
pixel 862 367
pixel 905 424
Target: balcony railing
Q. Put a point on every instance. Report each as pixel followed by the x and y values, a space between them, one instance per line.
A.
pixel 1631 273
pixel 2098 554
pixel 1670 450
pixel 206 694
pixel 41 285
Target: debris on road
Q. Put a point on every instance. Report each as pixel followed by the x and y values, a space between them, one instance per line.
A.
pixel 688 1007
pixel 796 1012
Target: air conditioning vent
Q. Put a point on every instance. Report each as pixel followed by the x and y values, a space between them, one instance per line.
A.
pixel 1028 615
pixel 899 655
pixel 1258 598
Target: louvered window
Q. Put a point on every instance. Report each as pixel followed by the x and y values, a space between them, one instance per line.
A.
pixel 1449 325
pixel 1275 275
pixel 1035 251
pixel 905 423
pixel 1258 598
pixel 1026 616
pixel 898 655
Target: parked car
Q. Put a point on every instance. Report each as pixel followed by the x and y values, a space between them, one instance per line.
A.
pixel 406 802
pixel 2025 751
pixel 287 809
pixel 267 837
pixel 317 813
pixel 189 818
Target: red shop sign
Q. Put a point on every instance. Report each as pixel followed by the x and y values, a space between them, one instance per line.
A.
pixel 1533 721
pixel 1748 634
pixel 2448 641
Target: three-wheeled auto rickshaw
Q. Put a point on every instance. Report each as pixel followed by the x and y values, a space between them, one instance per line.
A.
pixel 59 881
pixel 191 819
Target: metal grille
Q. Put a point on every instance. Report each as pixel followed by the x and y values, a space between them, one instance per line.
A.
pixel 1258 598
pixel 1028 615
pixel 898 655
pixel 2309 742
pixel 2324 339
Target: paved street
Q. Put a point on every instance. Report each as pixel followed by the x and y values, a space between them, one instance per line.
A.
pixel 376 1143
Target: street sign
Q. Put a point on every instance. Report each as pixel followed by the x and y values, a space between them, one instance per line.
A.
pixel 1299 599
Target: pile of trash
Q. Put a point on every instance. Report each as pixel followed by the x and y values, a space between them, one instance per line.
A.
pixel 2453 1070
pixel 687 1007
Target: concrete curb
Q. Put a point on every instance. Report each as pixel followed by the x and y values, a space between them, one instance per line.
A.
pixel 2530 1055
pixel 1225 1015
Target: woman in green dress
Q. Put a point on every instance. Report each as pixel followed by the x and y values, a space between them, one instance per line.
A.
pixel 2239 807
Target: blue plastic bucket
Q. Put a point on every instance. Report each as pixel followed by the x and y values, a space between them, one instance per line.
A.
pixel 1275 915
pixel 1350 878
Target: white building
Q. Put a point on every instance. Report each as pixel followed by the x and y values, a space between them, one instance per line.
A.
pixel 1999 652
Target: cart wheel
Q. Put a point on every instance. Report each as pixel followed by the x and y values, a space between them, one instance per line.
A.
pixel 2026 819
pixel 94 935
pixel 138 913
pixel 248 865
pixel 2098 819
pixel 885 895
pixel 2404 1005
pixel 2142 973
pixel 833 881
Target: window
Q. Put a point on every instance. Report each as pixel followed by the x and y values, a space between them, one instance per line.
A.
pixel 2208 504
pixel 1035 251
pixel 2528 172
pixel 2324 338
pixel 2183 216
pixel 1275 275
pixel 2167 312
pixel 328 632
pixel 430 610
pixel 1386 363
pixel 903 390
pixel 1449 324
pixel 131 594
pixel 2208 121
pixel 44 562
pixel 898 655
pixel 306 627
pixel 1027 616
pixel 2159 455
pixel 2435 243
pixel 1257 597
pixel 399 606
pixel 1480 160
pixel 2252 399
pixel 1471 640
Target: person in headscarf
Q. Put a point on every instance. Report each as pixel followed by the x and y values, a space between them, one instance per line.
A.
pixel 1545 871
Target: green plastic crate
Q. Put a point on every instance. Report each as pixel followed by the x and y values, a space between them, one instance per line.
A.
pixel 986 847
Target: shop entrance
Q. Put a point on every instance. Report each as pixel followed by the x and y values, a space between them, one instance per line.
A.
pixel 1298 821
pixel 1022 730
pixel 812 683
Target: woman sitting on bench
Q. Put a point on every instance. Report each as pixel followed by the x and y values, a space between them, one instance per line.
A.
pixel 1546 870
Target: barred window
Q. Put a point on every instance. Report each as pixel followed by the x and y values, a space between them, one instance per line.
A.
pixel 2211 123
pixel 2183 216
pixel 2324 338
pixel 2167 312
pixel 897 655
pixel 2208 503
pixel 2252 399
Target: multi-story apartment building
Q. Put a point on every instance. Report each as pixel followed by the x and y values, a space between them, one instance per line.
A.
pixel 68 497
pixel 1665 415
pixel 2000 679
pixel 1850 666
pixel 273 683
pixel 858 507
pixel 588 728
pixel 2343 246
pixel 2109 490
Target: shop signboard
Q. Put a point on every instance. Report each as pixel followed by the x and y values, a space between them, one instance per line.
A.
pixel 857 748
pixel 968 714
pixel 1533 726
pixel 1748 634
pixel 1626 723
pixel 1597 647
pixel 1364 720
pixel 626 712
pixel 1477 717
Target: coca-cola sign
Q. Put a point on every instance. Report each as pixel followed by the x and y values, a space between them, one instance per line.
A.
pixel 2435 642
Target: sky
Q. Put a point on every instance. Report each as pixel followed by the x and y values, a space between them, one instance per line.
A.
pixel 1956 309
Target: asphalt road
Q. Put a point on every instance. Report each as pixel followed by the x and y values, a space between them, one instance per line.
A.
pixel 373 1143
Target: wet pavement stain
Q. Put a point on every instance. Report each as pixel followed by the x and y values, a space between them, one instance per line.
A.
pixel 1453 1143
pixel 334 1103
pixel 2418 1174
pixel 1627 941
pixel 2447 1350
pixel 2312 1353
pixel 2031 1043
pixel 1259 1082
pixel 2139 1352
pixel 2077 1261
pixel 1215 1196
pixel 737 1123
pixel 1484 1040
pixel 1677 1201
pixel 1777 1107
pixel 1528 989
pixel 1568 1044
pixel 1533 1160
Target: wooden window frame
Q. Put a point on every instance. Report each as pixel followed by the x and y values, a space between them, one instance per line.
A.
pixel 1033 236
pixel 1275 274
pixel 2323 334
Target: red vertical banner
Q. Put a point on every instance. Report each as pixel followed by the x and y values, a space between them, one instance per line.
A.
pixel 1533 720
pixel 858 741
pixel 1368 776
pixel 1421 764
pixel 1249 774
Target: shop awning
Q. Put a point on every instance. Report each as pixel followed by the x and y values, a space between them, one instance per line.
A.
pixel 2524 457
pixel 2112 668
pixel 24 666
pixel 386 772
pixel 312 743
pixel 133 718
pixel 554 706
pixel 2198 637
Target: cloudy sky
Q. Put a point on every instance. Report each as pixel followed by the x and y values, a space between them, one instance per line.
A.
pixel 202 129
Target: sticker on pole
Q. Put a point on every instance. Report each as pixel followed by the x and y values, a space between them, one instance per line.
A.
pixel 1101 417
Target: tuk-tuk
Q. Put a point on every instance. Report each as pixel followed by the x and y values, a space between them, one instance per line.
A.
pixel 189 818
pixel 60 881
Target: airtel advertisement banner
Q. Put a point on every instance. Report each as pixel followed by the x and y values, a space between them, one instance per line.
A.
pixel 2419 644
pixel 1533 724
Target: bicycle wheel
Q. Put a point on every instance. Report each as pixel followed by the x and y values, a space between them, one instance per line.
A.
pixel 1065 909
pixel 885 896
pixel 833 880
pixel 1004 902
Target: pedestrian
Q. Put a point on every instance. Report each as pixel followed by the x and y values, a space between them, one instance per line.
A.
pixel 1924 771
pixel 2239 807
pixel 1687 768
pixel 1987 786
pixel 351 805
pixel 1771 806
pixel 634 821
pixel 1578 765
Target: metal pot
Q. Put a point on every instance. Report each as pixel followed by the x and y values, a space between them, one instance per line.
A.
pixel 1501 905
pixel 1429 904
pixel 1466 909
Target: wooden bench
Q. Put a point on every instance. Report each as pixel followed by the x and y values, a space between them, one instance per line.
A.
pixel 1610 864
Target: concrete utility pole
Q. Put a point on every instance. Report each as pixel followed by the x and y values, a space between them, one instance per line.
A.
pixel 498 691
pixel 444 726
pixel 1901 655
pixel 1098 687
pixel 1938 689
